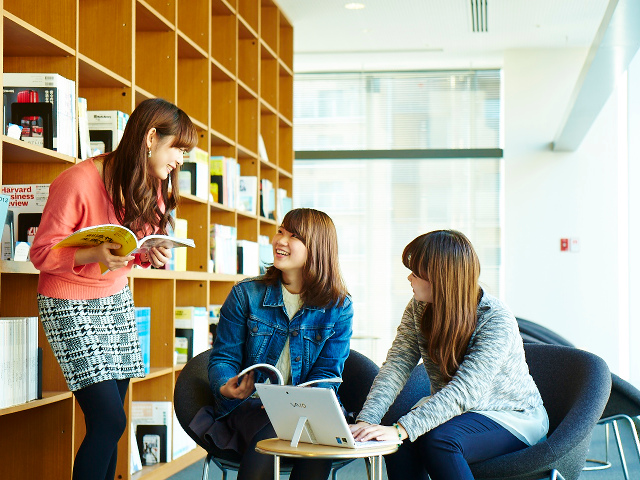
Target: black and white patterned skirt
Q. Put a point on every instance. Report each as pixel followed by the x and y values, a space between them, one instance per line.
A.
pixel 93 340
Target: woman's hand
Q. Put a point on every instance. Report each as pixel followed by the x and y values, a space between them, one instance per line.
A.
pixel 157 256
pixel 102 253
pixel 234 391
pixel 363 432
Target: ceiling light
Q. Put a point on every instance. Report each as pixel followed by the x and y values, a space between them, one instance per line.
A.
pixel 354 6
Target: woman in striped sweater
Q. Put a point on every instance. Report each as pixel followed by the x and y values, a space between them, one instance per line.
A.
pixel 483 401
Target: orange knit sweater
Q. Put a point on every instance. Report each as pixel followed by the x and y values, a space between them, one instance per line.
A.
pixel 77 199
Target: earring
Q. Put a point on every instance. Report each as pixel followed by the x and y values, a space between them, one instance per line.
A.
pixel 149 153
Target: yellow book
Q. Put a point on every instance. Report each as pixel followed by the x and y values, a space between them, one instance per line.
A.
pixel 112 233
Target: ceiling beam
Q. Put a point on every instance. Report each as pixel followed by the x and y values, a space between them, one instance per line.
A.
pixel 613 48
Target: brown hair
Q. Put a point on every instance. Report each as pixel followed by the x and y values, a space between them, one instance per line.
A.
pixel 133 191
pixel 322 283
pixel 447 259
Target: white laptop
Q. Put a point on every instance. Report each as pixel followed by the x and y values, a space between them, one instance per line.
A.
pixel 310 415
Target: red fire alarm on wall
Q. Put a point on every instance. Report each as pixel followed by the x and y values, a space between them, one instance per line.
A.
pixel 564 244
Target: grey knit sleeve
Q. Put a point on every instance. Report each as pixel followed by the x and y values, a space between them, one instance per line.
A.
pixel 402 357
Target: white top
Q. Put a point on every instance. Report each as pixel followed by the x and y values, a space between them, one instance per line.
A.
pixel 292 303
pixel 530 427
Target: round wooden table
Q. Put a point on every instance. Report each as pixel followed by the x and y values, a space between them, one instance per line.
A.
pixel 282 448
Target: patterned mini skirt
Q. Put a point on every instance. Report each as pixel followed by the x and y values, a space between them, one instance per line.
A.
pixel 93 340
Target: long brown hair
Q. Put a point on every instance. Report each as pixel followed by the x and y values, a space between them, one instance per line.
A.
pixel 447 259
pixel 133 191
pixel 322 283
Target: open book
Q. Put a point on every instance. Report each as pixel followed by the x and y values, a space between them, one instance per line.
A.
pixel 112 233
pixel 275 377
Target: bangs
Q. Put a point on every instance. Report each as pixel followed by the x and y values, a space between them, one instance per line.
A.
pixel 294 222
pixel 414 257
pixel 186 135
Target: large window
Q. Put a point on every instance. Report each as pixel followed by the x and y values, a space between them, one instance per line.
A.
pixel 381 192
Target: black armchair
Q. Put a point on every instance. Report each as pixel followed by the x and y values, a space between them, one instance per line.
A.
pixel 192 391
pixel 574 385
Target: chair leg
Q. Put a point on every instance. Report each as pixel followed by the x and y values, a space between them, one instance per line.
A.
pixel 205 468
pixel 623 460
pixel 220 466
pixel 334 470
pixel 601 464
pixel 367 464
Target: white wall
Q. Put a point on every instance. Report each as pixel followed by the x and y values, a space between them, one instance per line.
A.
pixel 551 195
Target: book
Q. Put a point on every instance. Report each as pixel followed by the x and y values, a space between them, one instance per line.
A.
pixel 8 244
pixel 4 207
pixel 26 204
pixel 136 461
pixel 182 442
pixel 284 204
pixel 152 422
pixel 179 260
pixel 98 234
pixel 248 258
pixel 248 194
pixel 192 332
pixel 84 140
pixel 262 149
pixel 275 376
pixel 267 199
pixel 6 222
pixel 19 360
pixel 265 253
pixel 214 319
pixel 196 169
pixel 106 128
pixel 44 106
pixel 143 322
pixel 224 249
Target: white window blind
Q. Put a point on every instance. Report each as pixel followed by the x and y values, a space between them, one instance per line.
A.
pixel 380 204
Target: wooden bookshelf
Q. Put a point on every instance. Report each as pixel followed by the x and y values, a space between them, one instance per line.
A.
pixel 228 64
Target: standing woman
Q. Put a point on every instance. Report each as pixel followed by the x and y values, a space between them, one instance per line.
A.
pixel 88 317
pixel 483 401
pixel 297 317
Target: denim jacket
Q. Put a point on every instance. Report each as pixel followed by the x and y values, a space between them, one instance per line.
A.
pixel 254 327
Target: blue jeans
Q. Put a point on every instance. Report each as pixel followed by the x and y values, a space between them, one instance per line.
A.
pixel 445 452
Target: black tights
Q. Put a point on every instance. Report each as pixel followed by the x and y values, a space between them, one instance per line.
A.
pixel 102 405
pixel 258 466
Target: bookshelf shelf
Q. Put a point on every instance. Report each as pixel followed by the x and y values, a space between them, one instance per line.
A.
pixel 148 19
pixel 187 48
pixel 227 64
pixel 28 41
pixel 17 151
pixel 47 398
pixel 92 75
pixel 8 266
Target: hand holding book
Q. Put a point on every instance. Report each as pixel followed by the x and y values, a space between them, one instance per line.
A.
pixel 129 243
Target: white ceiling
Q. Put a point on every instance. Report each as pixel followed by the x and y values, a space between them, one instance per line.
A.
pixel 432 33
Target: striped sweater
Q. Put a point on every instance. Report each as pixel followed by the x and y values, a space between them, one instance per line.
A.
pixel 492 376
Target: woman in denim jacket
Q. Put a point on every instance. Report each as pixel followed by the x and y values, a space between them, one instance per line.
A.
pixel 298 317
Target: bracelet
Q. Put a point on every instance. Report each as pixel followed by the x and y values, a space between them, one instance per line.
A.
pixel 398 427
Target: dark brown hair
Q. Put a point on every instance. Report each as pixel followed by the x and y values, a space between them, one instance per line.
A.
pixel 322 283
pixel 133 191
pixel 447 259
